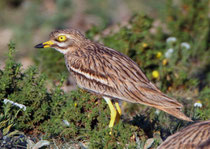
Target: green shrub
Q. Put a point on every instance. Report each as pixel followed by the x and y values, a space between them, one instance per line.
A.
pixel 86 117
pixel 26 88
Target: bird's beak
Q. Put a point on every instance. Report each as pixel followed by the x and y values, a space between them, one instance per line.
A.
pixel 47 44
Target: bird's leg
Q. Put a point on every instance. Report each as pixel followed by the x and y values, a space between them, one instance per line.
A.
pixel 113 111
pixel 119 112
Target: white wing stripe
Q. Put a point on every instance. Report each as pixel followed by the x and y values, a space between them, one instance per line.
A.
pixel 89 76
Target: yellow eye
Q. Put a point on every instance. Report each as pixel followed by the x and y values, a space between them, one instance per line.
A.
pixel 62 38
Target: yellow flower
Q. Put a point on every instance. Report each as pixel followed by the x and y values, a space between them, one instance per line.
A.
pixel 75 104
pixel 165 62
pixel 159 54
pixel 198 101
pixel 155 74
pixel 145 45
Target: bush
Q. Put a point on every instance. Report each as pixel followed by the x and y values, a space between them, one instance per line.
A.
pixel 28 88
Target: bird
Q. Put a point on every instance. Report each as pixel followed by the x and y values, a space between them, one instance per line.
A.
pixel 109 73
pixel 195 136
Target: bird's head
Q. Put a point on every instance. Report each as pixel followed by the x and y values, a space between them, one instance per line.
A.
pixel 64 40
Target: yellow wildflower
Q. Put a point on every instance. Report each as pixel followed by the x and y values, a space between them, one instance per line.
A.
pixel 159 54
pixel 165 62
pixel 75 104
pixel 155 74
pixel 145 45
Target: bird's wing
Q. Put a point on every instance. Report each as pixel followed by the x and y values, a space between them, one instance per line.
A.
pixel 110 73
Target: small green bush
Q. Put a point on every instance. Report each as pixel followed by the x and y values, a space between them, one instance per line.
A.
pixel 87 118
pixel 25 87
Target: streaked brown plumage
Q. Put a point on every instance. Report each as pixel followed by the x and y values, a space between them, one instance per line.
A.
pixel 196 136
pixel 104 71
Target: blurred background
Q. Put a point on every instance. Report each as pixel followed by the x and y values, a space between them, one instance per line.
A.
pixel 28 22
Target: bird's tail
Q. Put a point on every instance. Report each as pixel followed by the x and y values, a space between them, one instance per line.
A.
pixel 175 112
pixel 172 106
pixel 155 98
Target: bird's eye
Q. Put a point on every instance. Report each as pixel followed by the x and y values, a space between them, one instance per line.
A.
pixel 62 38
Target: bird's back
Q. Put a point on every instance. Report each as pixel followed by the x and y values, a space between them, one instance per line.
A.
pixel 196 136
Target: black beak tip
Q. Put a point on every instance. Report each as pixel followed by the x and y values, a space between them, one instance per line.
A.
pixel 39 46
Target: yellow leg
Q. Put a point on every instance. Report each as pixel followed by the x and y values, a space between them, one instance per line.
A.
pixel 113 112
pixel 118 108
pixel 119 112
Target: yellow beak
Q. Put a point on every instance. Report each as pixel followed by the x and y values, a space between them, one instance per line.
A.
pixel 45 44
